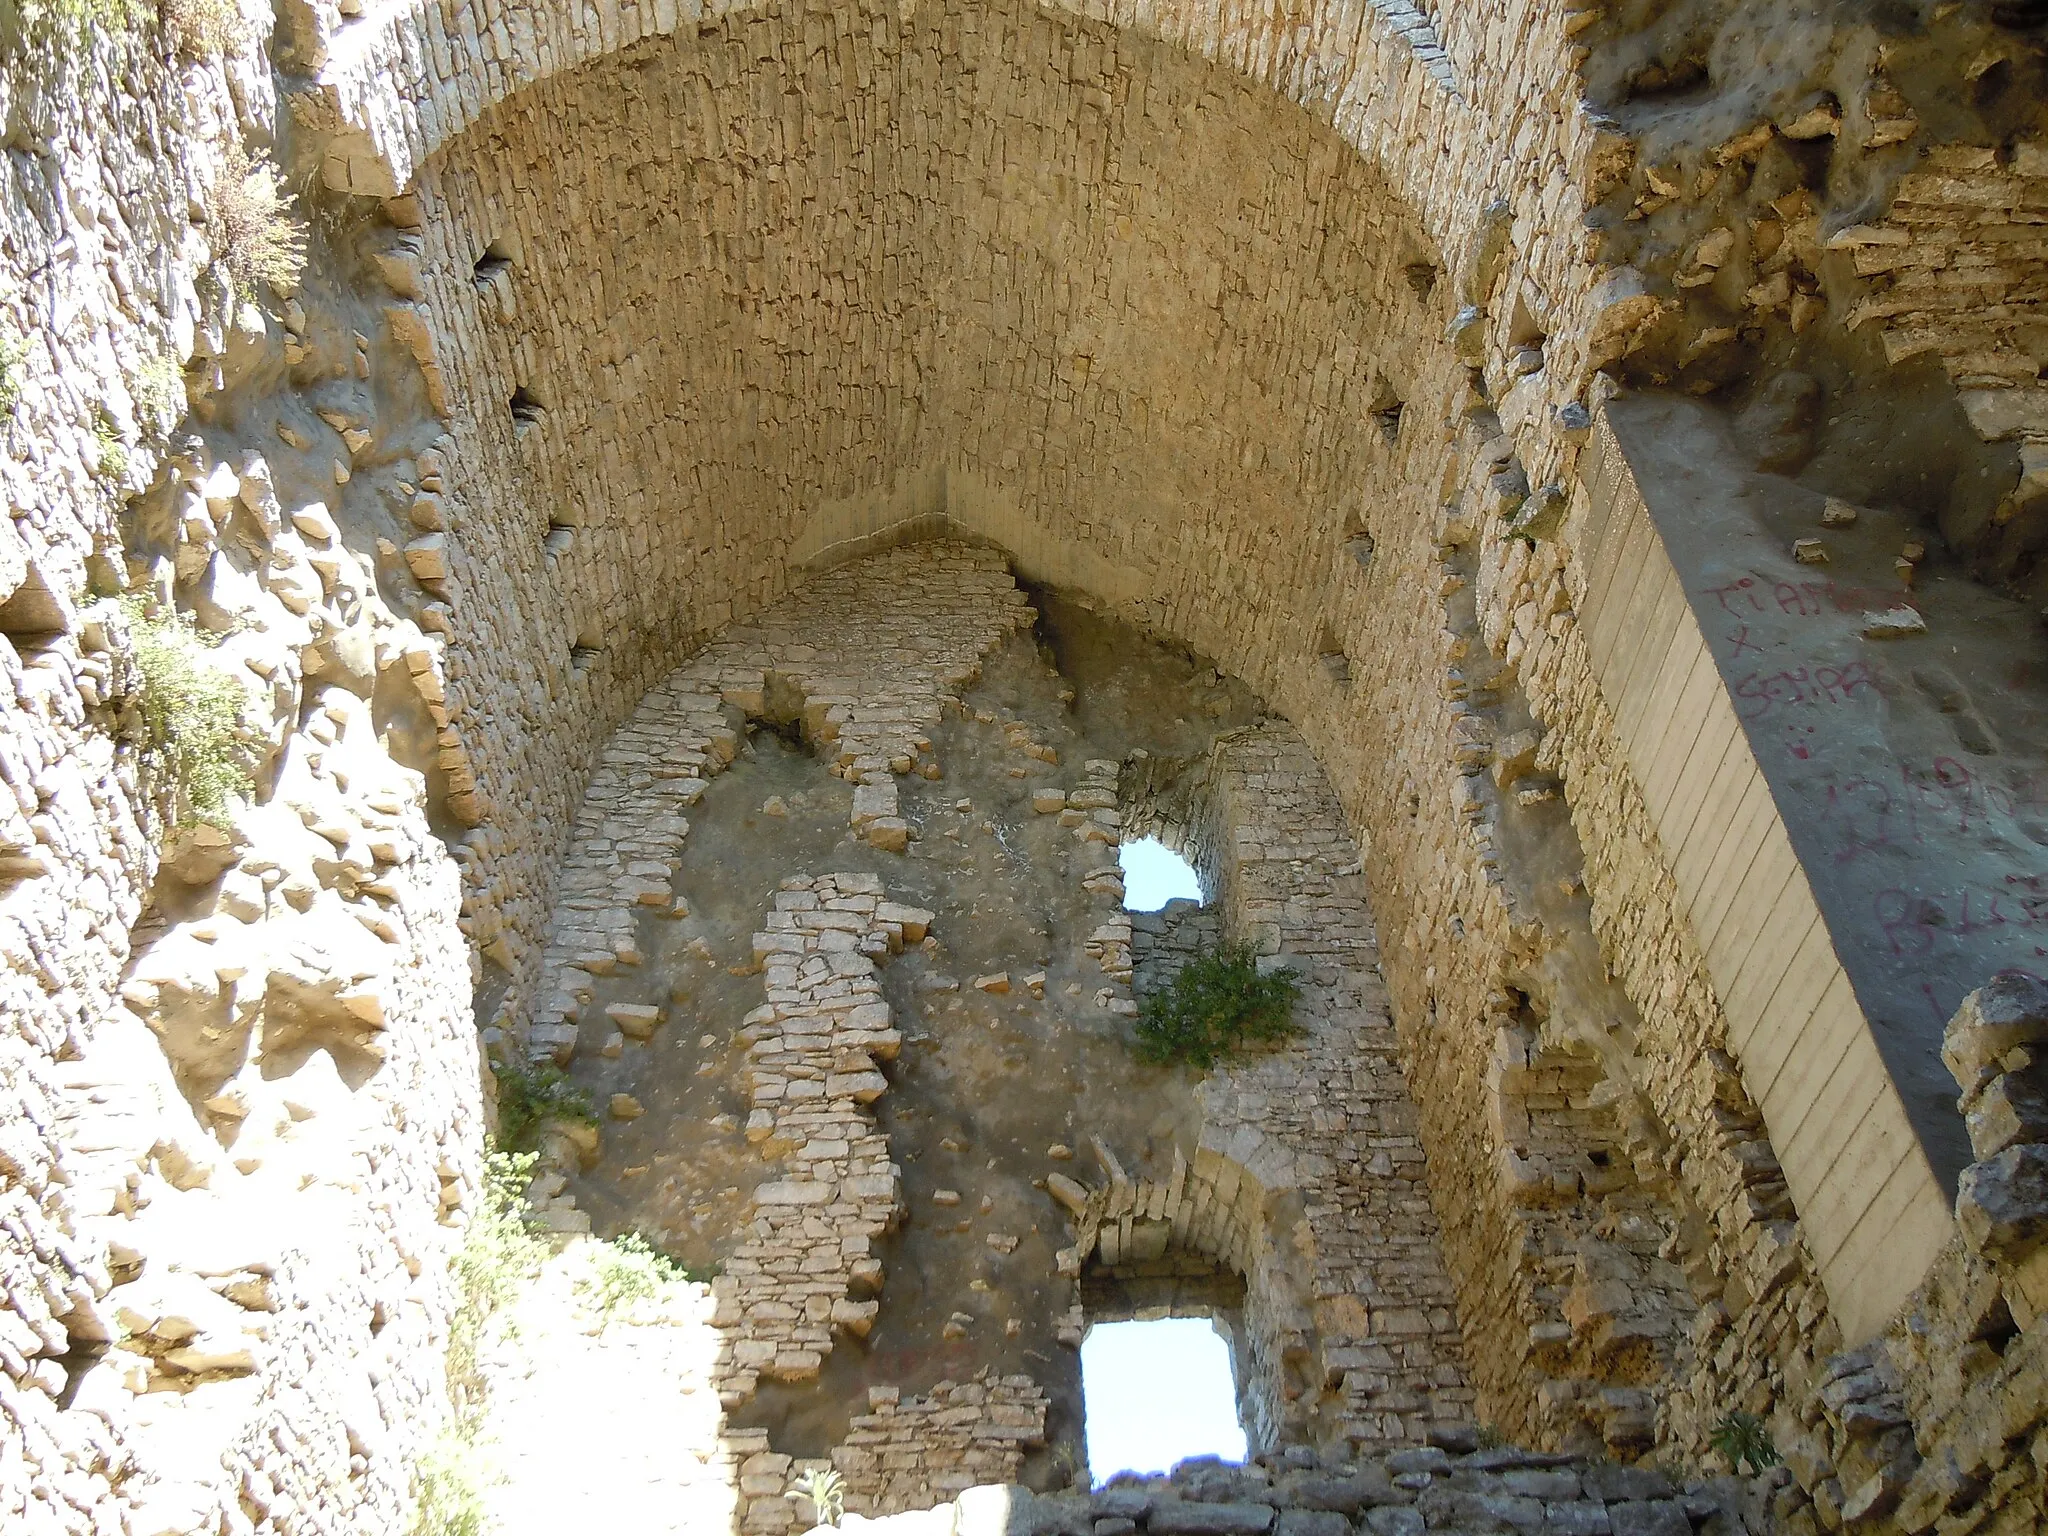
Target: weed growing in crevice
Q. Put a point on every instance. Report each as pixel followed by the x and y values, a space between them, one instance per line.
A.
pixel 500 1253
pixel 530 1095
pixel 251 226
pixel 624 1270
pixel 191 709
pixel 1745 1440
pixel 1219 1005
pixel 110 451
pixel 204 29
pixel 159 390
pixel 13 353
pixel 826 1491
pixel 450 1483
pixel 63 26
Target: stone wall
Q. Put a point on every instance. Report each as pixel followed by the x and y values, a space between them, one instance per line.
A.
pixel 1275 332
pixel 891 384
pixel 243 1102
pixel 1334 655
pixel 1362 1346
pixel 914 627
pixel 1404 1493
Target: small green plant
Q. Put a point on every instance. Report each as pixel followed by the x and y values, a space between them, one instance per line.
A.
pixel 627 1269
pixel 110 459
pixel 1745 1441
pixel 204 29
pixel 1490 1438
pixel 1219 1004
pixel 251 226
pixel 530 1095
pixel 452 1477
pixel 159 390
pixel 826 1490
pixel 500 1252
pixel 64 25
pixel 191 717
pixel 13 353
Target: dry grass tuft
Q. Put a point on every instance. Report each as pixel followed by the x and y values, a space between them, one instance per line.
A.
pixel 252 227
pixel 205 29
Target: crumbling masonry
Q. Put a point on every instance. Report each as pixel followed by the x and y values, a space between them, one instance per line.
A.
pixel 1569 481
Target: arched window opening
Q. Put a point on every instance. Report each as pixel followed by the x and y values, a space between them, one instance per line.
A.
pixel 1155 875
pixel 1155 1392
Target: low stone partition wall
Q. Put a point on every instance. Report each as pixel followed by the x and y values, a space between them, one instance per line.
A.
pixel 910 627
pixel 812 1050
pixel 1406 1493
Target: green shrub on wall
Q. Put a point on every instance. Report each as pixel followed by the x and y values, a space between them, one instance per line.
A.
pixel 250 225
pixel 13 354
pixel 1217 1006
pixel 191 717
pixel 531 1095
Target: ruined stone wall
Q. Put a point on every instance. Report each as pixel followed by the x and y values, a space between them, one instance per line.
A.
pixel 242 1094
pixel 991 330
pixel 1336 654
pixel 1362 1347
pixel 1280 501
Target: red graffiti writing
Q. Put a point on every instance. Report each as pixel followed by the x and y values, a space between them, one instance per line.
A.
pixel 1865 814
pixel 1803 687
pixel 1806 599
pixel 1913 924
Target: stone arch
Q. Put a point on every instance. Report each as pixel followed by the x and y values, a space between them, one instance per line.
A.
pixel 396 85
pixel 796 287
pixel 1235 1205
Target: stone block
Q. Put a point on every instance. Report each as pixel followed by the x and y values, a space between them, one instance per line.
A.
pixel 2002 1204
pixel 1614 1484
pixel 635 1020
pixel 795 1192
pixel 1183 1519
pixel 1311 1522
pixel 1648 1517
pixel 1346 1495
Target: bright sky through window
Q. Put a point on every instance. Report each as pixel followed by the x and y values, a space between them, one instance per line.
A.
pixel 1154 875
pixel 1157 1393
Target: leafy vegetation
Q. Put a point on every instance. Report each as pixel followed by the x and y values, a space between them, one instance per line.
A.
pixel 627 1269
pixel 453 1476
pixel 1219 1005
pixel 251 225
pixel 826 1490
pixel 191 717
pixel 1746 1441
pixel 159 390
pixel 204 29
pixel 13 353
pixel 531 1095
pixel 500 1252
pixel 60 26
pixel 110 459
